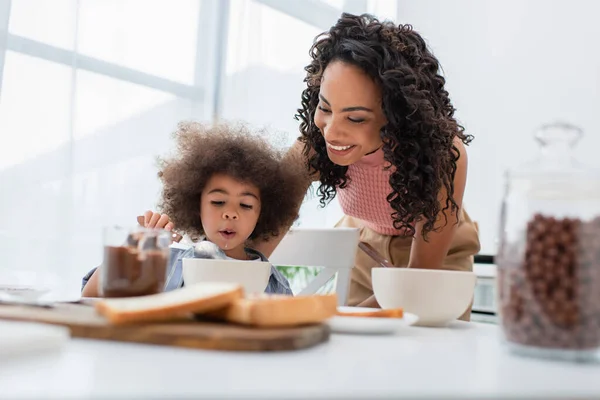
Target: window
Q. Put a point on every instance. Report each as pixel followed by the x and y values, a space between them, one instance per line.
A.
pixel 50 22
pixel 91 92
pixel 266 53
pixel 157 37
pixel 102 102
pixel 34 108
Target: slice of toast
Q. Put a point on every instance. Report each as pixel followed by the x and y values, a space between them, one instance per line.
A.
pixel 197 298
pixel 375 313
pixel 268 310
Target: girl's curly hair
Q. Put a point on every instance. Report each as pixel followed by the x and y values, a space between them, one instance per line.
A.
pixel 418 137
pixel 236 151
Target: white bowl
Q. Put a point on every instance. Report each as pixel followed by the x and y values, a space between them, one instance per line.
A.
pixel 437 297
pixel 252 275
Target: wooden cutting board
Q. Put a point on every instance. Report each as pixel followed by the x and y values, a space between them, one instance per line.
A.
pixel 84 322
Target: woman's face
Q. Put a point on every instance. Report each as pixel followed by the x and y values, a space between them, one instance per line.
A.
pixel 349 113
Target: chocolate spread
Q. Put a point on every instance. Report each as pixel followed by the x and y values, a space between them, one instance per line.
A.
pixel 130 271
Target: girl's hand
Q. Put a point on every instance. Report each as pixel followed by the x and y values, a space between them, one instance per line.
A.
pixel 161 221
pixel 155 220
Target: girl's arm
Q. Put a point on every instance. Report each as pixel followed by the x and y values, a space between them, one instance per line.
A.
pixel 90 284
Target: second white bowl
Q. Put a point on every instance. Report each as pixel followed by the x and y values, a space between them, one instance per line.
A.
pixel 252 275
pixel 437 296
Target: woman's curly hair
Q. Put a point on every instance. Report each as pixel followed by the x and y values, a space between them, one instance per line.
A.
pixel 233 150
pixel 420 130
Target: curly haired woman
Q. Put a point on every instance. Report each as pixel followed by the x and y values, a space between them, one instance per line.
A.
pixel 378 130
pixel 228 186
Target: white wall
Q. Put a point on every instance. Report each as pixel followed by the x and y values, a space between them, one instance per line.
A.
pixel 512 66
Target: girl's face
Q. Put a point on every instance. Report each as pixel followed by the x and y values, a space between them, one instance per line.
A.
pixel 229 211
pixel 349 113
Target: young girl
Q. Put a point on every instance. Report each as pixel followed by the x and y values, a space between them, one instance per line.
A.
pixel 227 186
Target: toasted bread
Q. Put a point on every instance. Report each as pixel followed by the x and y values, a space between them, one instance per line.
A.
pixel 192 299
pixel 278 310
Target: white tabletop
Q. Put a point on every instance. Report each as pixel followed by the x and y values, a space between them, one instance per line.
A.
pixel 463 361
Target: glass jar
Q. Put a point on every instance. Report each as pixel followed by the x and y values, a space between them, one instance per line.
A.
pixel 135 261
pixel 549 252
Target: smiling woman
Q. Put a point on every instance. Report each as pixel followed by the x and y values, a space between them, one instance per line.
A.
pixel 378 131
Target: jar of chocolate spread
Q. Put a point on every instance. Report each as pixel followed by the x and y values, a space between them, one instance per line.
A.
pixel 135 261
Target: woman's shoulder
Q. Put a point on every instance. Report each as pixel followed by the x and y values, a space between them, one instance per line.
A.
pixel 460 146
pixel 463 159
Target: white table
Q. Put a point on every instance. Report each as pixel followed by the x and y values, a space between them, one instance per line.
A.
pixel 464 361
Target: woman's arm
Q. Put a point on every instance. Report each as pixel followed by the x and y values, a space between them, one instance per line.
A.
pixel 296 157
pixel 430 254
